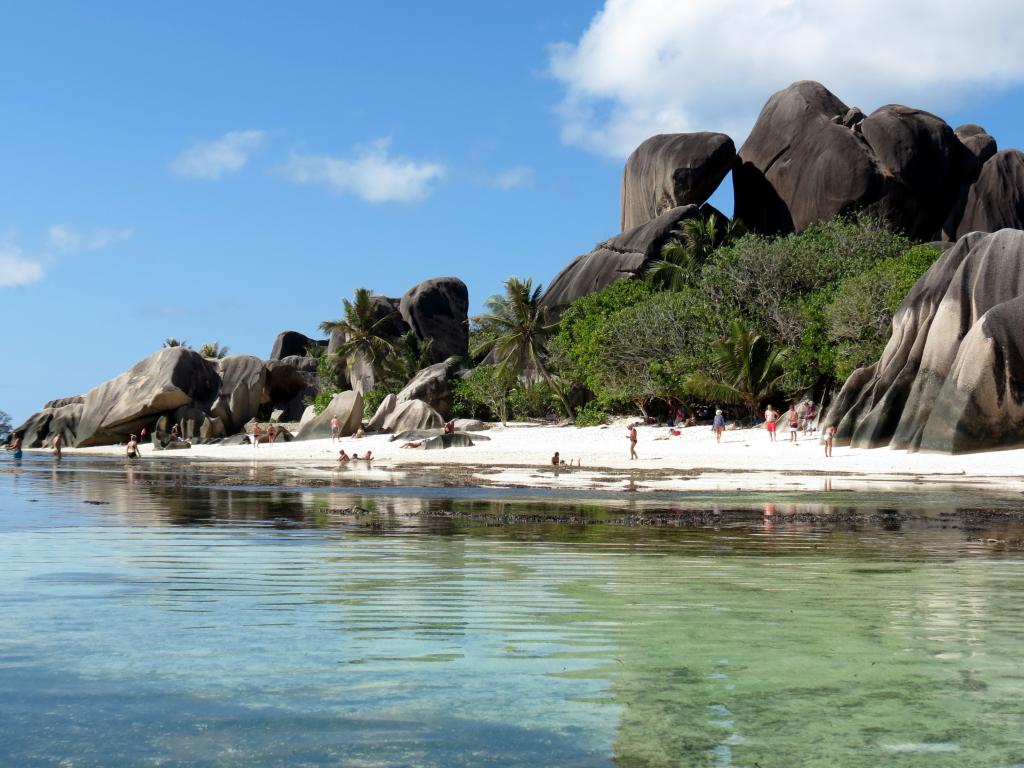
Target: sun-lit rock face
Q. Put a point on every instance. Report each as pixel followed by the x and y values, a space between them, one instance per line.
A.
pixel 951 378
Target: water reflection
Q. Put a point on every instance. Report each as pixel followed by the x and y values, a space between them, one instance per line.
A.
pixel 167 614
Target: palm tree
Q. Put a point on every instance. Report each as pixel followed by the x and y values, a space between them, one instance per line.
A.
pixel 749 369
pixel 168 343
pixel 520 328
pixel 363 331
pixel 213 350
pixel 409 357
pixel 687 252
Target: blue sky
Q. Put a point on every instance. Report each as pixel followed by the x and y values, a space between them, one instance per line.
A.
pixel 225 171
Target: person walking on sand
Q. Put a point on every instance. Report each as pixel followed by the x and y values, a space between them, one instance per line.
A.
pixel 335 428
pixel 718 425
pixel 770 417
pixel 632 442
pixel 793 418
pixel 256 431
pixel 830 432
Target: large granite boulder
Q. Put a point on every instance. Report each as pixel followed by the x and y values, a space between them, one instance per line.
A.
pixel 380 416
pixel 412 414
pixel 242 392
pixel 927 391
pixel 810 157
pixel 625 255
pixel 162 382
pixel 289 343
pixel 430 385
pixel 976 147
pixel 347 406
pixel 437 310
pixel 62 401
pixel 996 200
pixel 291 381
pixel 64 421
pixel 35 429
pixel 670 170
pixel 191 422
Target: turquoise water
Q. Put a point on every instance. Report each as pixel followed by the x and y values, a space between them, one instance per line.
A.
pixel 167 616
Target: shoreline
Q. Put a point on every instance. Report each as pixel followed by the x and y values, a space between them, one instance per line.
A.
pixel 518 455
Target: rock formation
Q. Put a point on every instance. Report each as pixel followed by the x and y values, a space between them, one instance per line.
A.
pixel 162 382
pixel 380 416
pixel 436 310
pixel 412 414
pixel 996 200
pixel 432 387
pixel 347 406
pixel 951 378
pixel 290 343
pixel 670 170
pixel 242 391
pixel 624 255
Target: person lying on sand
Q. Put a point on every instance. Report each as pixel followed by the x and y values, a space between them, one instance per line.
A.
pixel 413 444
pixel 449 427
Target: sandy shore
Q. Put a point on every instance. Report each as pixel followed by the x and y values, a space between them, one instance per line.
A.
pixel 519 454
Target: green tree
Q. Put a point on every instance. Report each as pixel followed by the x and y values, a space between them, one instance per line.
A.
pixel 213 350
pixel 408 357
pixel 522 328
pixel 684 255
pixel 5 424
pixel 363 329
pixel 748 368
pixel 483 393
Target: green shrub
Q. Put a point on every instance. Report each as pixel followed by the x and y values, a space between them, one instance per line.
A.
pixel 482 394
pixel 372 399
pixel 322 400
pixel 591 415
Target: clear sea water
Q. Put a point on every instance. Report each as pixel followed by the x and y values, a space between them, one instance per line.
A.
pixel 167 615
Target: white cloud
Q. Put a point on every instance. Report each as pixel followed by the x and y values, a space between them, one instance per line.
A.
pixel 67 239
pixel 519 176
pixel 371 174
pixel 213 159
pixel 657 66
pixel 16 268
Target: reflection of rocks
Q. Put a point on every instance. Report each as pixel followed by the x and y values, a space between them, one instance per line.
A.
pixel 950 377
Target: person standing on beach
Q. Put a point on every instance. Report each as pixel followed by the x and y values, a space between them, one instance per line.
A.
pixel 256 435
pixel 770 417
pixel 793 418
pixel 718 425
pixel 632 441
pixel 830 432
pixel 58 441
pixel 335 428
pixel 272 433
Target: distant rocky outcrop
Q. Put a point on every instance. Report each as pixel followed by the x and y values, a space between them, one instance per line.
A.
pixel 670 170
pixel 625 255
pixel 951 378
pixel 293 343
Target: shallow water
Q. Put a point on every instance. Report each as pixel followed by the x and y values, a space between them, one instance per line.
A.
pixel 168 615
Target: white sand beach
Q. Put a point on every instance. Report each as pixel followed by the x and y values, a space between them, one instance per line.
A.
pixel 513 454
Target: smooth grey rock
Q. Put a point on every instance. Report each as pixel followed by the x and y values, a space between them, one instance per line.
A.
pixel 996 199
pixel 625 255
pixel 470 425
pixel 412 414
pixel 162 382
pixel 670 170
pixel 242 391
pixel 437 310
pixel 380 416
pixel 430 385
pixel 442 442
pixel 801 164
pixel 290 343
pixel 347 406
pixel 956 340
pixel 62 401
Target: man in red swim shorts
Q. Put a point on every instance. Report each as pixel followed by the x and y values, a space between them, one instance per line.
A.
pixel 770 417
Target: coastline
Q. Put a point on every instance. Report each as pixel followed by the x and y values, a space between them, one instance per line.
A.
pixel 519 455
